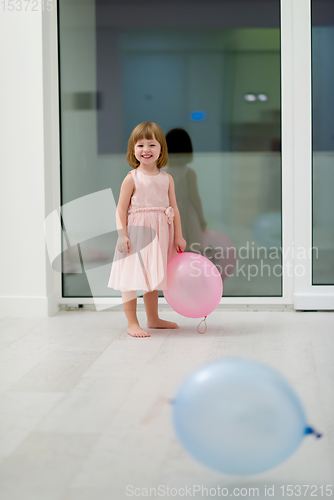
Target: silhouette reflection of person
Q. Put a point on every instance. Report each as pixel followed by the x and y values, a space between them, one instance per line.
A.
pixel 180 153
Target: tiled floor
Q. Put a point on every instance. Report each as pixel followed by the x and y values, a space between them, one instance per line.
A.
pixel 85 408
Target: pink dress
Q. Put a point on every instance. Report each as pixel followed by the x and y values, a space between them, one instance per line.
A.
pixel 150 229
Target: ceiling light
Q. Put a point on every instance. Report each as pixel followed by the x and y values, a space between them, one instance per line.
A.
pixel 250 97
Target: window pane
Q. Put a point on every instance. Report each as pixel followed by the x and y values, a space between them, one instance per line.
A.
pixel 323 141
pixel 211 69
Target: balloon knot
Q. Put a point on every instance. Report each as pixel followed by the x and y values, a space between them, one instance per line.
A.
pixel 310 430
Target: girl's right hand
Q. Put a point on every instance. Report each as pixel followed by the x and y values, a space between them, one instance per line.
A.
pixel 123 244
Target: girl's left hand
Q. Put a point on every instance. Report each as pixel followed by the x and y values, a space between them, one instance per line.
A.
pixel 180 244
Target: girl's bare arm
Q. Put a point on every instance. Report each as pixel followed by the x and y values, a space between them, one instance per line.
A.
pixel 173 204
pixel 179 241
pixel 126 192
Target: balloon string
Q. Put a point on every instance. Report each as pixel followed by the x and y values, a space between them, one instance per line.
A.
pixel 204 323
pixel 310 430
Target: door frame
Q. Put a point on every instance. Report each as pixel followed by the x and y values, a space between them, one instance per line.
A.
pixel 296 160
pixel 306 295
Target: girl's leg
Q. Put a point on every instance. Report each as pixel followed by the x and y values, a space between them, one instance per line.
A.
pixel 151 306
pixel 130 308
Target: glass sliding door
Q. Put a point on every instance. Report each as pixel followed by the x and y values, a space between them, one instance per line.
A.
pixel 311 23
pixel 323 141
pixel 209 74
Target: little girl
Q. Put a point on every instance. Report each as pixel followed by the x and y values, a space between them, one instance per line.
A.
pixel 149 228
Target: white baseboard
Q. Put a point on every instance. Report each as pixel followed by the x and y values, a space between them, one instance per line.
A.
pixel 28 307
pixel 315 302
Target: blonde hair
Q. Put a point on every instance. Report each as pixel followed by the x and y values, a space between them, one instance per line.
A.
pixel 146 130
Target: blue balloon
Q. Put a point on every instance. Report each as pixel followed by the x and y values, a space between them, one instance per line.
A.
pixel 238 416
pixel 267 230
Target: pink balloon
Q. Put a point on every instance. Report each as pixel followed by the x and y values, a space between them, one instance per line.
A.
pixel 194 285
pixel 223 253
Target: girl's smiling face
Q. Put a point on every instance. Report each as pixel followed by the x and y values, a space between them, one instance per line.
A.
pixel 147 151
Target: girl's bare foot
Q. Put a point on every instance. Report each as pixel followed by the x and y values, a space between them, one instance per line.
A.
pixel 161 323
pixel 136 331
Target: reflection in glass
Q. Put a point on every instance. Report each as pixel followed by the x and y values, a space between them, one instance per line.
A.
pixel 192 72
pixel 180 154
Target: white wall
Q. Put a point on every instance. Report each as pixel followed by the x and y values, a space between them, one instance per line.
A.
pixel 28 284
